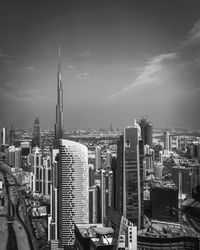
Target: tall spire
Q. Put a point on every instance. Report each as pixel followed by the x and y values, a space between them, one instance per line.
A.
pixel 59 106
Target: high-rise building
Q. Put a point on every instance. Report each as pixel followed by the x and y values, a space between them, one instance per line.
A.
pixel 4 137
pixel 59 126
pixel 36 133
pixel 91 175
pixel 108 160
pixel 166 141
pixel 158 169
pixel 167 210
pixel 106 193
pixel 94 204
pixel 12 135
pixel 35 159
pixel 148 160
pixel 129 175
pixel 98 158
pixel 41 172
pixel 26 148
pixel 14 157
pixel 73 190
pixel 146 131
pixel 46 175
pixel 53 225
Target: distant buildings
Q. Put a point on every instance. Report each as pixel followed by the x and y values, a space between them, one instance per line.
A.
pixel 73 190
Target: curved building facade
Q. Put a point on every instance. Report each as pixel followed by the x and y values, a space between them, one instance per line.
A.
pixel 73 186
pixel 158 243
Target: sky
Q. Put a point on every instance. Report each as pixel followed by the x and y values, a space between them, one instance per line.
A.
pixel 121 60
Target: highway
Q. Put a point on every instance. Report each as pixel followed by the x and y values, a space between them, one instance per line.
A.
pixel 13 215
pixel 12 240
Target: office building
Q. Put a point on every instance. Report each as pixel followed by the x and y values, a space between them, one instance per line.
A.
pixel 36 141
pixel 25 148
pixel 94 204
pixel 98 158
pixel 12 136
pixel 4 137
pixel 158 170
pixel 91 175
pixel 146 131
pixel 46 175
pixel 167 210
pixel 53 217
pixel 106 193
pixel 186 178
pixel 129 175
pixel 59 126
pixel 73 190
pixel 14 156
pixel 108 160
pixel 167 142
pixel 35 159
pixel 148 162
pixel 161 157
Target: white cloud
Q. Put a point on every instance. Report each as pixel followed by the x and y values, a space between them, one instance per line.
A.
pixel 30 67
pixel 83 76
pixel 71 66
pixel 7 56
pixel 86 52
pixel 149 73
pixel 193 35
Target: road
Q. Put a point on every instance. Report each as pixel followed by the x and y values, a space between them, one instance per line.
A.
pixel 13 215
pixel 12 240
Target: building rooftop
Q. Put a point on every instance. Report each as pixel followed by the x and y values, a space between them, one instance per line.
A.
pixel 163 229
pixel 97 233
pixel 168 185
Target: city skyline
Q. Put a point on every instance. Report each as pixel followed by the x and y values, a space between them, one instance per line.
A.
pixel 119 61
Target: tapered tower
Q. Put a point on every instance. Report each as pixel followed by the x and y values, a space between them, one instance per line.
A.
pixel 59 107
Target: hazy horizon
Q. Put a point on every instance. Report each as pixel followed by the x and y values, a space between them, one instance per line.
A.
pixel 120 60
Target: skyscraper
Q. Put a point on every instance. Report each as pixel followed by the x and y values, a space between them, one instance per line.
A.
pixel 36 133
pixel 14 156
pixel 59 108
pixel 129 175
pixel 36 176
pixel 4 136
pixel 98 158
pixel 73 190
pixel 12 135
pixel 106 192
pixel 166 142
pixel 146 131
